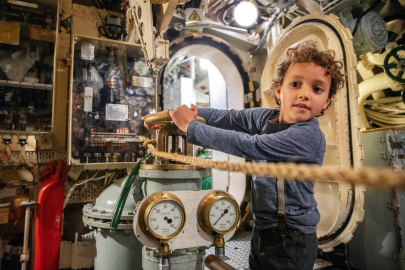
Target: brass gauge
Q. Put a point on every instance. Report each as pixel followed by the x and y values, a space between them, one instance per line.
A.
pixel 162 216
pixel 218 213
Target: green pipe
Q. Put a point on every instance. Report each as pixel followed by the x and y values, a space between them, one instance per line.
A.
pixel 124 193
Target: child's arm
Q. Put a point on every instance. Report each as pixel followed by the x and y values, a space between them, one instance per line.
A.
pixel 301 142
pixel 248 121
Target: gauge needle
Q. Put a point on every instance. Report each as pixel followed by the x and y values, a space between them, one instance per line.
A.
pixel 223 214
pixel 169 220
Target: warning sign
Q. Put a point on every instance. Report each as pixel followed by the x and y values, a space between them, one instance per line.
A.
pixel 194 16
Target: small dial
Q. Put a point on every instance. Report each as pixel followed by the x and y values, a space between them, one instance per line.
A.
pixel 223 215
pixel 141 67
pixel 218 213
pixel 165 218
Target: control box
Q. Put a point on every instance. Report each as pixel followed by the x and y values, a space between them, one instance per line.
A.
pixel 111 89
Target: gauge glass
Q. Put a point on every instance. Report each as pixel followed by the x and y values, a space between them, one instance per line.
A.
pixel 141 67
pixel 223 214
pixel 165 218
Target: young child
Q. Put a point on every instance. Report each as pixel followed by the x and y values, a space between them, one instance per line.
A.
pixel 284 235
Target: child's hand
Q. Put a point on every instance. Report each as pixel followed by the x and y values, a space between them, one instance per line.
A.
pixel 154 126
pixel 182 116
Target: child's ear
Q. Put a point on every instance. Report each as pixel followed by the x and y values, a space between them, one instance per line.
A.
pixel 327 103
pixel 278 91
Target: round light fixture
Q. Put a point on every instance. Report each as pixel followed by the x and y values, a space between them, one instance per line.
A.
pixel 246 14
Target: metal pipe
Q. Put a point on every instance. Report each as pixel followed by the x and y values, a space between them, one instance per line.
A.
pixel 179 27
pixel 26 235
pixel 376 83
pixel 25 256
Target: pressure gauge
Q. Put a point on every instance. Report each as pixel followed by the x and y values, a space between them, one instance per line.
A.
pixel 218 213
pixel 162 216
pixel 141 67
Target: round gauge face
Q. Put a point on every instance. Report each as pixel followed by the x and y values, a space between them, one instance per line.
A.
pixel 223 215
pixel 141 67
pixel 165 218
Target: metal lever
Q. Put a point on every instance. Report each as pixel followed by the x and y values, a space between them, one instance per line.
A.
pixel 215 263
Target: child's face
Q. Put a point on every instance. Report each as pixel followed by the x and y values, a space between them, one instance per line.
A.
pixel 304 92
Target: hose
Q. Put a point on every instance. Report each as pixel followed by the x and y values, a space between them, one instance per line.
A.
pixel 124 193
pixel 24 158
pixel 10 155
pixel 266 32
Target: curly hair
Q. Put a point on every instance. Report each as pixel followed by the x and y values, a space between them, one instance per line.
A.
pixel 307 52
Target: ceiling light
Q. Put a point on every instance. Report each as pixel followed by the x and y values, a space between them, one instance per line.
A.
pixel 246 14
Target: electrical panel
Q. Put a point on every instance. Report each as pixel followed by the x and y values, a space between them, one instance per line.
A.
pixel 27 45
pixel 111 89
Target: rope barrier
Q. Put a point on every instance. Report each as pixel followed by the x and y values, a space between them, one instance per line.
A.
pixel 383 128
pixel 382 178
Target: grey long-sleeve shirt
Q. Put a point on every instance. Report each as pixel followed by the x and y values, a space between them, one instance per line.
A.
pixel 238 132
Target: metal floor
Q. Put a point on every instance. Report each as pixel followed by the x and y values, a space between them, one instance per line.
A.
pixel 237 250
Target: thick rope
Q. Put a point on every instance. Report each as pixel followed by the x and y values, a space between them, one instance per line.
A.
pixel 370 176
pixel 383 128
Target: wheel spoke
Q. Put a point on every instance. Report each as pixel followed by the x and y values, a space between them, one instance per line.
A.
pixel 392 65
pixel 399 76
pixel 396 56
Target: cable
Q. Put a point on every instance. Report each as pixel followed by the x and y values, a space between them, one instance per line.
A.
pixel 78 183
pixel 356 26
pixel 266 32
pixel 224 10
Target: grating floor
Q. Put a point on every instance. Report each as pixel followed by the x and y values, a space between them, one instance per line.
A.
pixel 237 250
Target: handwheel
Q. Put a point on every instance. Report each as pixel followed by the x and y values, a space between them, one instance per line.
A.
pixel 398 64
pixel 112 31
pixel 163 119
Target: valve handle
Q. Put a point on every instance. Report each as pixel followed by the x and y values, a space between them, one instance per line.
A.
pixel 398 64
pixel 214 263
pixel 164 119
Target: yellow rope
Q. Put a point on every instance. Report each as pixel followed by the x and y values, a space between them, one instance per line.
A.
pixel 383 128
pixel 370 176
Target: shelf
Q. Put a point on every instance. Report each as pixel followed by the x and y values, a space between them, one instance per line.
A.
pixel 27 85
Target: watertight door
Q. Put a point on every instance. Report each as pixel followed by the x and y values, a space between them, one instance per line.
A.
pixel 340 204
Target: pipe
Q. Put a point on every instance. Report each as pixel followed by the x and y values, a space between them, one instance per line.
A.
pixel 24 158
pixel 377 58
pixel 379 82
pixel 10 154
pixel 365 69
pixel 179 27
pixel 25 255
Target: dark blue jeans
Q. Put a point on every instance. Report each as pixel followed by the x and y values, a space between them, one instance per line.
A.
pixel 277 249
